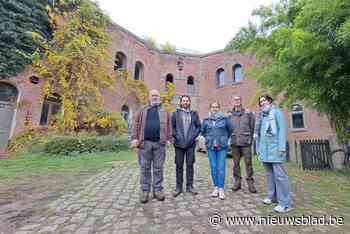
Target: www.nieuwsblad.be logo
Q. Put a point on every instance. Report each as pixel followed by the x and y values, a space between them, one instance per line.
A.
pixel 216 219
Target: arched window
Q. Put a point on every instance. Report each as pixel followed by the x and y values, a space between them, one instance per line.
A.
pixel 120 61
pixel 8 92
pixel 138 74
pixel 297 116
pixel 8 98
pixel 220 77
pixel 190 85
pixel 237 73
pixel 51 106
pixel 169 79
pixel 125 112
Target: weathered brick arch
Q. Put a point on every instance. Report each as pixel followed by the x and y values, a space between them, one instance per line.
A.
pixel 139 71
pixel 120 60
pixel 9 96
pixel 190 85
pixel 169 78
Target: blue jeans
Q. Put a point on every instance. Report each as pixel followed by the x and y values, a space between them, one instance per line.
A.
pixel 217 160
pixel 278 187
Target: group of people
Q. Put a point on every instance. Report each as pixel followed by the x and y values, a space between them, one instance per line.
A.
pixel 154 128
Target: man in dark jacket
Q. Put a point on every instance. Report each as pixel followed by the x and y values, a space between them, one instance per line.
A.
pixel 241 141
pixel 185 129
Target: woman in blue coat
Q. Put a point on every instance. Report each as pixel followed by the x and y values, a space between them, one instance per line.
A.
pixel 216 129
pixel 271 149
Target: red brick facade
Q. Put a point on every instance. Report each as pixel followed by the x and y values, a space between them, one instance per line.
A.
pixel 156 66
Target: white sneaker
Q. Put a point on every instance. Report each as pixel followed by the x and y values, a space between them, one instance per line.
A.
pixel 281 209
pixel 221 194
pixel 215 193
pixel 267 201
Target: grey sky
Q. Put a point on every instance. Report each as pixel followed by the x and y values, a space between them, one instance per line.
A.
pixel 193 24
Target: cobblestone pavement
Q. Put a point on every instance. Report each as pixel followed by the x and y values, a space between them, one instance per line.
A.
pixel 109 203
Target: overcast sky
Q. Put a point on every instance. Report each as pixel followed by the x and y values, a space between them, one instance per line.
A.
pixel 199 25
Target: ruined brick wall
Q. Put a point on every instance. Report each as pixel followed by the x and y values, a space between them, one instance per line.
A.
pixel 28 105
pixel 156 66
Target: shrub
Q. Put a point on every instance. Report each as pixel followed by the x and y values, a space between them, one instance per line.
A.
pixel 29 137
pixel 73 145
pixel 168 48
pixel 110 123
pixel 150 42
pixel 101 123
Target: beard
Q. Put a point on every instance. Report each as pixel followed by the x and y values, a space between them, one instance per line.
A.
pixel 155 102
pixel 185 106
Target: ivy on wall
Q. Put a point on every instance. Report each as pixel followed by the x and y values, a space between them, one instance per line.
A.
pixel 18 20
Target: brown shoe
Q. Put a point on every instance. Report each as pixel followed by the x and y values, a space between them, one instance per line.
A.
pixel 159 196
pixel 251 187
pixel 144 197
pixel 177 192
pixel 236 186
pixel 191 190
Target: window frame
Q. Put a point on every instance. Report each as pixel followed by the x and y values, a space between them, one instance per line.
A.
pixel 234 68
pixel 139 65
pixel 218 80
pixel 51 103
pixel 190 87
pixel 297 112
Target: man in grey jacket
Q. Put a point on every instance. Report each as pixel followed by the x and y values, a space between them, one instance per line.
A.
pixel 241 141
pixel 151 132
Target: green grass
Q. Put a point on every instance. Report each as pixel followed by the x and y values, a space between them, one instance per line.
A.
pixel 324 190
pixel 31 165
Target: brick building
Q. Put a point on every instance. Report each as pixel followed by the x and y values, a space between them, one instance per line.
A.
pixel 205 77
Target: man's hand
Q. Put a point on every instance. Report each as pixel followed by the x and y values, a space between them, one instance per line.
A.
pixel 168 143
pixel 282 152
pixel 134 143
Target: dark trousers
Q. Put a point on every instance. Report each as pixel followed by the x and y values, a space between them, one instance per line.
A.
pixel 237 153
pixel 180 155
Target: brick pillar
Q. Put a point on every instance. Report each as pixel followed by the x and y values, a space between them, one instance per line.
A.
pixel 337 152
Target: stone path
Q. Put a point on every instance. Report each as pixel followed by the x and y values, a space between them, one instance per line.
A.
pixel 109 203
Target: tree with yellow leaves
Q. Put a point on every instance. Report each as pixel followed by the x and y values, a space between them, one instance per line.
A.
pixel 129 86
pixel 75 64
pixel 168 96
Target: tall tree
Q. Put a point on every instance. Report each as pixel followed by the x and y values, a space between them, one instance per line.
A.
pixel 303 49
pixel 18 19
pixel 75 64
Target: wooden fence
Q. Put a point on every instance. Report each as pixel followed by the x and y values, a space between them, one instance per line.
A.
pixel 316 154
